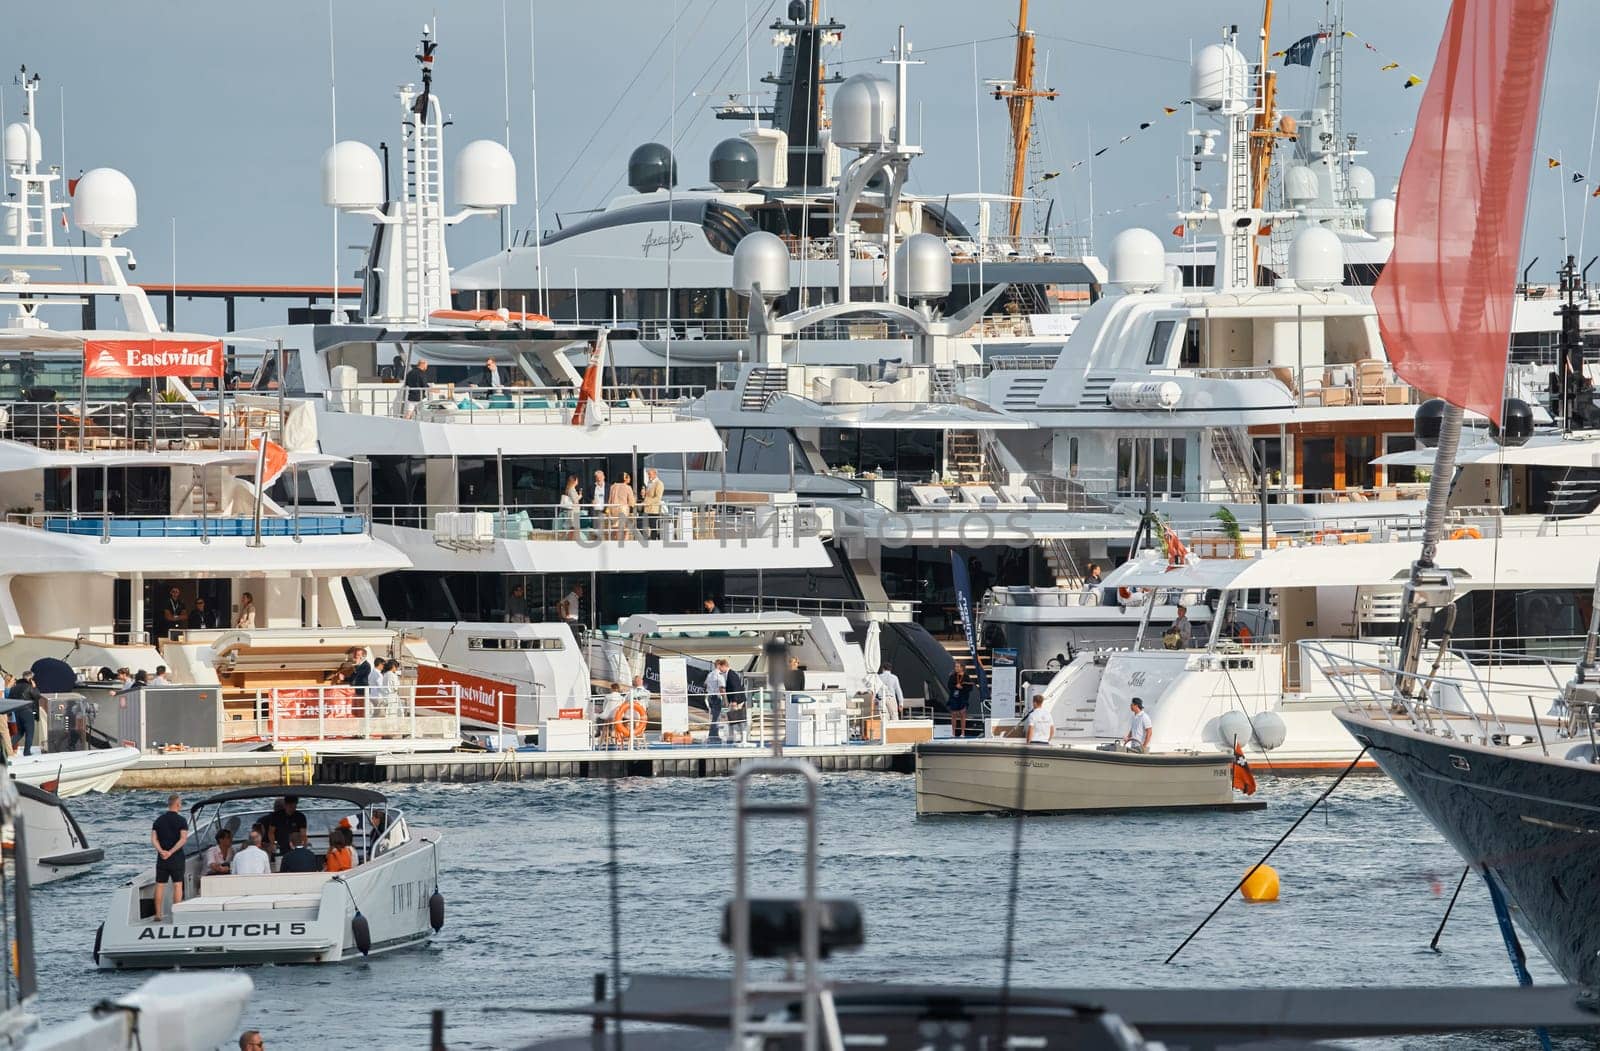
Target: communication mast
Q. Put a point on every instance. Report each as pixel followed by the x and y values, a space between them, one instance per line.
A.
pixel 1019 94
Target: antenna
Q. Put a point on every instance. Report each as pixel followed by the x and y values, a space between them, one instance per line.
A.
pixel 505 76
pixel 333 132
pixel 533 121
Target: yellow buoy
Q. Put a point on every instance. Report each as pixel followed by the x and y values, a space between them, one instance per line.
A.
pixel 1261 884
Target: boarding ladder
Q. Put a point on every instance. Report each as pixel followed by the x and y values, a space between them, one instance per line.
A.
pixel 761 385
pixel 817 1016
pixel 1231 450
pixel 1058 557
pixel 963 455
pixel 1239 196
pixel 424 156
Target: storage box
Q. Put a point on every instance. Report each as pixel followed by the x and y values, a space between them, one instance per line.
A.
pixel 566 735
pixel 908 731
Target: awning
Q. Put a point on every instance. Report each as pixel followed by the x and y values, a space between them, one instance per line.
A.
pixel 19 456
pixel 1545 450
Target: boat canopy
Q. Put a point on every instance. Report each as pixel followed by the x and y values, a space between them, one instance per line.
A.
pixel 361 797
pixel 17 456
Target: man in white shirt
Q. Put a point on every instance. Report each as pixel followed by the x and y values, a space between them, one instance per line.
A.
pixel 1040 727
pixel 891 696
pixel 1139 729
pixel 160 678
pixel 252 860
pixel 716 697
pixel 218 859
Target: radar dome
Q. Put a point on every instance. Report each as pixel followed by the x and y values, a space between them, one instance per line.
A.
pixel 1428 422
pixel 761 260
pixel 1138 263
pixel 1518 427
pixel 486 176
pixel 1219 77
pixel 1300 184
pixel 922 267
pixel 352 176
pixel 1380 217
pixel 734 165
pixel 22 145
pixel 651 167
pixel 864 113
pixel 1316 259
pixel 1363 184
pixel 105 204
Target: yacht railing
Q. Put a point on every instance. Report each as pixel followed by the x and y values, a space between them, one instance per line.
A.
pixel 458 526
pixel 299 714
pixel 1367 382
pixel 452 403
pixel 893 609
pixel 109 527
pixel 135 425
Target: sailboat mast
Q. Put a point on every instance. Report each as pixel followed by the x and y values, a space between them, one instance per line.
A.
pixel 1265 133
pixel 1019 96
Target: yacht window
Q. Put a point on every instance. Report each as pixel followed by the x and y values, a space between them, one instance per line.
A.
pixel 363 357
pixel 1189 357
pixel 492 643
pixel 1160 343
pixel 266 377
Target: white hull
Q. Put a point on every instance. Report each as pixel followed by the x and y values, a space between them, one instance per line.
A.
pixel 278 918
pixel 56 846
pixel 985 776
pixel 170 1011
pixel 74 773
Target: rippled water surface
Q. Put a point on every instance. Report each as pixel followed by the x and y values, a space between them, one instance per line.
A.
pixel 1103 900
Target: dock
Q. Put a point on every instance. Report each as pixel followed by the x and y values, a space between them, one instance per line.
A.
pixel 204 770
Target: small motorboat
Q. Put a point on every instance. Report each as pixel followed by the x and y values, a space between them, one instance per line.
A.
pixel 985 776
pixel 77 773
pixel 389 900
pixel 57 848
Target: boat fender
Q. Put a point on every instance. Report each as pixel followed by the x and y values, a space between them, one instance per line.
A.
pixel 99 932
pixel 1270 730
pixel 1233 727
pixel 363 933
pixel 436 910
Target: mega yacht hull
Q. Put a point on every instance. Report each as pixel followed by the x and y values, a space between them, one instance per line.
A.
pixel 982 777
pixel 1521 819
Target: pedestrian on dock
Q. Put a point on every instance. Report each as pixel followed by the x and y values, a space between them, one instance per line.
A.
pixel 168 834
pixel 891 696
pixel 738 712
pixel 361 674
pixel 716 697
pixel 160 677
pixel 960 701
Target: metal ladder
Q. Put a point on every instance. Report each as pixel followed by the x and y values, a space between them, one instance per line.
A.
pixel 1234 460
pixel 816 1002
pixel 423 156
pixel 1058 557
pixel 1239 197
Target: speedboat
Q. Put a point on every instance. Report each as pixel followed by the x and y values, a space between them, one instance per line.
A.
pixel 69 774
pixel 57 847
pixel 390 900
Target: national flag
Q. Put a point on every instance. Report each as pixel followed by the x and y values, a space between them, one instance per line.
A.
pixel 589 390
pixel 1446 296
pixel 1101 150
pixel 1047 176
pixel 272 460
pixel 1177 554
pixel 1299 53
pixel 1596 192
pixel 72 183
pixel 1413 80
pixel 1265 231
pixel 1388 66
pixel 1143 126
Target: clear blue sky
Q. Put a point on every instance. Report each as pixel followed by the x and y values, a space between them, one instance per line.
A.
pixel 220 111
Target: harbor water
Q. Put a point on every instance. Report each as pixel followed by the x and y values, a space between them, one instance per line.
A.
pixel 1103 900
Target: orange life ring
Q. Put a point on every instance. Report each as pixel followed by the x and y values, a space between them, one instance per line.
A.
pixel 630 720
pixel 1466 533
pixel 1126 595
pixel 1322 536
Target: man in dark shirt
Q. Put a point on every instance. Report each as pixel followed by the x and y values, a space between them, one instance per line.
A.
pixel 416 384
pixel 27 716
pixel 174 614
pixel 300 858
pixel 168 835
pixel 361 676
pixel 284 822
pixel 202 616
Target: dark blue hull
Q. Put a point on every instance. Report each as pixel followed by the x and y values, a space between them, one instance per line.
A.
pixel 1530 823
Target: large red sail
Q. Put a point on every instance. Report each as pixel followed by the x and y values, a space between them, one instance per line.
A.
pixel 1445 297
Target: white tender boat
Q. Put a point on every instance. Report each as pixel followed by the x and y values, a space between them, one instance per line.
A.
pixel 388 901
pixel 69 774
pixel 983 776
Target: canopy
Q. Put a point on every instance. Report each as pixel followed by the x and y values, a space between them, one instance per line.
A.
pixel 19 456
pixel 74 339
pixel 1545 450
pixel 362 797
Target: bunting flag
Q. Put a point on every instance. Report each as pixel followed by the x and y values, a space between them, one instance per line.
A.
pixel 1577 176
pixel 1145 125
pixel 1413 80
pixel 1551 162
pixel 1445 298
pixel 1388 67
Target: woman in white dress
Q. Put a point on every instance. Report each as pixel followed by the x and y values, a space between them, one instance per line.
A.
pixel 571 514
pixel 391 688
pixel 246 617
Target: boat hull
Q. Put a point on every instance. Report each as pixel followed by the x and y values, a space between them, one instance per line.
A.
pixel 56 846
pixel 70 774
pixel 1523 820
pixel 984 777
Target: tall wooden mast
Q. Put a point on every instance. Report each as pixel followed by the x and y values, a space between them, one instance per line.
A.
pixel 1267 130
pixel 1019 96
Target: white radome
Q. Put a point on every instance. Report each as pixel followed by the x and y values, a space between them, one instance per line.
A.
pixel 1138 262
pixel 761 259
pixel 22 145
pixel 352 176
pixel 1300 184
pixel 1219 76
pixel 1316 259
pixel 105 203
pixel 922 267
pixel 1380 217
pixel 1363 184
pixel 863 113
pixel 485 175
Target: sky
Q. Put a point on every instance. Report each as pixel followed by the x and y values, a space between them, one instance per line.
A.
pixel 219 112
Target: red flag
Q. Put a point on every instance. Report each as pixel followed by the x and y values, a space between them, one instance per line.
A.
pixel 1177 554
pixel 1445 298
pixel 271 462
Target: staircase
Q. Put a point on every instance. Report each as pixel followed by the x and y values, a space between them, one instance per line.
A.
pixel 963 455
pixel 962 655
pixel 1231 450
pixel 195 503
pixel 946 384
pixel 1063 567
pixel 1571 496
pixel 763 384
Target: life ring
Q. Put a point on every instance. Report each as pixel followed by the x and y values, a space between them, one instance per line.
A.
pixel 1466 533
pixel 486 319
pixel 630 720
pixel 1322 536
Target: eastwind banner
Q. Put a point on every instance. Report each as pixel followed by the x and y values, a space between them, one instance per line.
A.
pixel 151 358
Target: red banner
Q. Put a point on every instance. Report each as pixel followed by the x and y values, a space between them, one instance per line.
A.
pixel 150 358
pixel 1445 296
pixel 309 702
pixel 487 702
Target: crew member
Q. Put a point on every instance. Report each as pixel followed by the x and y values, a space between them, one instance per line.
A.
pixel 168 834
pixel 1140 729
pixel 1039 726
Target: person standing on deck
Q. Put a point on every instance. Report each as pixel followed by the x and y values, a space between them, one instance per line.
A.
pixel 1039 726
pixel 1140 729
pixel 168 835
pixel 716 697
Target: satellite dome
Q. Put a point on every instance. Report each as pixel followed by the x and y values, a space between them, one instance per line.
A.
pixel 352 176
pixel 922 267
pixel 105 204
pixel 1219 76
pixel 1138 262
pixel 22 145
pixel 1316 259
pixel 485 175
pixel 1428 422
pixel 734 165
pixel 1518 425
pixel 1300 184
pixel 651 167
pixel 1380 217
pixel 1363 184
pixel 761 260
pixel 864 113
